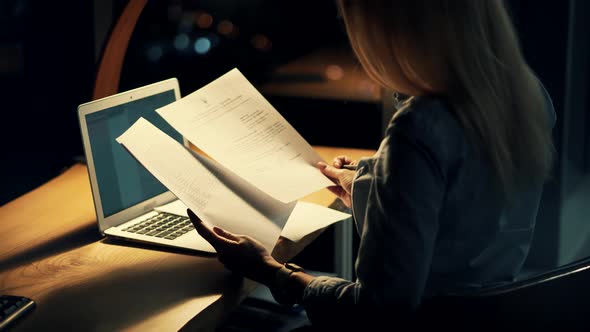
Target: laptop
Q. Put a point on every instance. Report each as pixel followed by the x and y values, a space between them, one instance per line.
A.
pixel 130 203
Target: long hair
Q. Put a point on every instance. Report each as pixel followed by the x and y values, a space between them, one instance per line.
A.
pixel 467 52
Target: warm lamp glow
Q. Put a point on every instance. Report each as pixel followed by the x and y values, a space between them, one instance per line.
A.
pixel 334 72
pixel 225 28
pixel 261 42
pixel 204 20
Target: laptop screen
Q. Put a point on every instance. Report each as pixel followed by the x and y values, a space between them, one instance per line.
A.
pixel 122 181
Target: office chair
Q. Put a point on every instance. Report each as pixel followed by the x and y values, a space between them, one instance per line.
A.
pixel 108 75
pixel 552 301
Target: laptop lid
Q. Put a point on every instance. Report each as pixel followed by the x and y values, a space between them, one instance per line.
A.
pixel 122 188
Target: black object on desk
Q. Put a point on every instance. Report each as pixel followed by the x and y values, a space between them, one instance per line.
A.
pixel 12 307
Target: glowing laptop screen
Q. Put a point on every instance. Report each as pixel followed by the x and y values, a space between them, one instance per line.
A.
pixel 122 181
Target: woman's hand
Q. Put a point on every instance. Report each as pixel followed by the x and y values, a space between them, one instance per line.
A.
pixel 239 253
pixel 341 177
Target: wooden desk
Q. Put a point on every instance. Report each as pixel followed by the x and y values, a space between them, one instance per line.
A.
pixel 52 252
pixel 329 74
pixel 324 74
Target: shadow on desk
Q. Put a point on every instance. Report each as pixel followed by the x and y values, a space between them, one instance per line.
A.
pixel 129 296
pixel 52 252
pixel 78 238
pixel 154 247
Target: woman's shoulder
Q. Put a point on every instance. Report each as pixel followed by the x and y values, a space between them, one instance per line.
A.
pixel 430 122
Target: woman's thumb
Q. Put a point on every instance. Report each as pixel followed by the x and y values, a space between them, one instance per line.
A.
pixel 329 171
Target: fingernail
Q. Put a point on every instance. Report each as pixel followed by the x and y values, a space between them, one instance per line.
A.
pixel 322 164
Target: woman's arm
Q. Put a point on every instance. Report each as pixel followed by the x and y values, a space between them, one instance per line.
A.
pixel 398 234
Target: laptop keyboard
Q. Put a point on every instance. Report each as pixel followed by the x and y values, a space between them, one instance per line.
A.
pixel 163 225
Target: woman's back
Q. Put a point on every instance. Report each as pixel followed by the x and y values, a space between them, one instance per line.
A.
pixel 482 240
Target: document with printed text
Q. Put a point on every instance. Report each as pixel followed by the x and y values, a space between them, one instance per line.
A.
pixel 199 189
pixel 233 123
pixel 219 196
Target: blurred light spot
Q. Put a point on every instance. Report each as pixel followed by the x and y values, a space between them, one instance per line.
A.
pixel 174 12
pixel 204 20
pixel 334 72
pixel 202 45
pixel 181 41
pixel 154 53
pixel 261 42
pixel 186 24
pixel 225 28
pixel 368 88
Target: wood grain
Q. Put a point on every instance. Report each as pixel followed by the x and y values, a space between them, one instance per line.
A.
pixel 52 252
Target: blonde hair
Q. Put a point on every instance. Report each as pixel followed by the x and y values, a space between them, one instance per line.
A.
pixel 467 52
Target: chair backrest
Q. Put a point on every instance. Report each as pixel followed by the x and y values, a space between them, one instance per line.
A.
pixel 549 301
pixel 108 75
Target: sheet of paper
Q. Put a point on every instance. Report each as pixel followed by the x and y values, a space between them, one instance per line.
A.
pixel 233 123
pixel 199 189
pixel 308 217
pixel 176 207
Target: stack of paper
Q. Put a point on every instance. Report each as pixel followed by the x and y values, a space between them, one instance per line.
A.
pixel 261 164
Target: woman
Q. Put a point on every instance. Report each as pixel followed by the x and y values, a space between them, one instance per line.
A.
pixel 448 203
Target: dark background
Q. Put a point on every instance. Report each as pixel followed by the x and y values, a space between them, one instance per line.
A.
pixel 49 53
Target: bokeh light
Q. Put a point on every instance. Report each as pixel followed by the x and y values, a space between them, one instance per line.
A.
pixel 186 24
pixel 368 88
pixel 202 45
pixel 181 42
pixel 204 20
pixel 261 42
pixel 154 53
pixel 334 72
pixel 225 28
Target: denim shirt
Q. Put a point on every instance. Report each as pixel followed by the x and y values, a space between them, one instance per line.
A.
pixel 428 222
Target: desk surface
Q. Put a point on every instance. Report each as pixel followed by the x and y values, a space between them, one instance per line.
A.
pixel 53 253
pixel 324 74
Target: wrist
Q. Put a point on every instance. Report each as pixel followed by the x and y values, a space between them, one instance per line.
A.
pixel 271 269
pixel 284 288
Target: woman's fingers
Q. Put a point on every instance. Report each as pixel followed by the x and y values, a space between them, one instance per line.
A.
pixel 322 166
pixel 337 190
pixel 209 235
pixel 332 172
pixel 341 160
pixel 223 233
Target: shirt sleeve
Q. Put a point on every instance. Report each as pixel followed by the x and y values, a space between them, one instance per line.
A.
pixel 397 236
